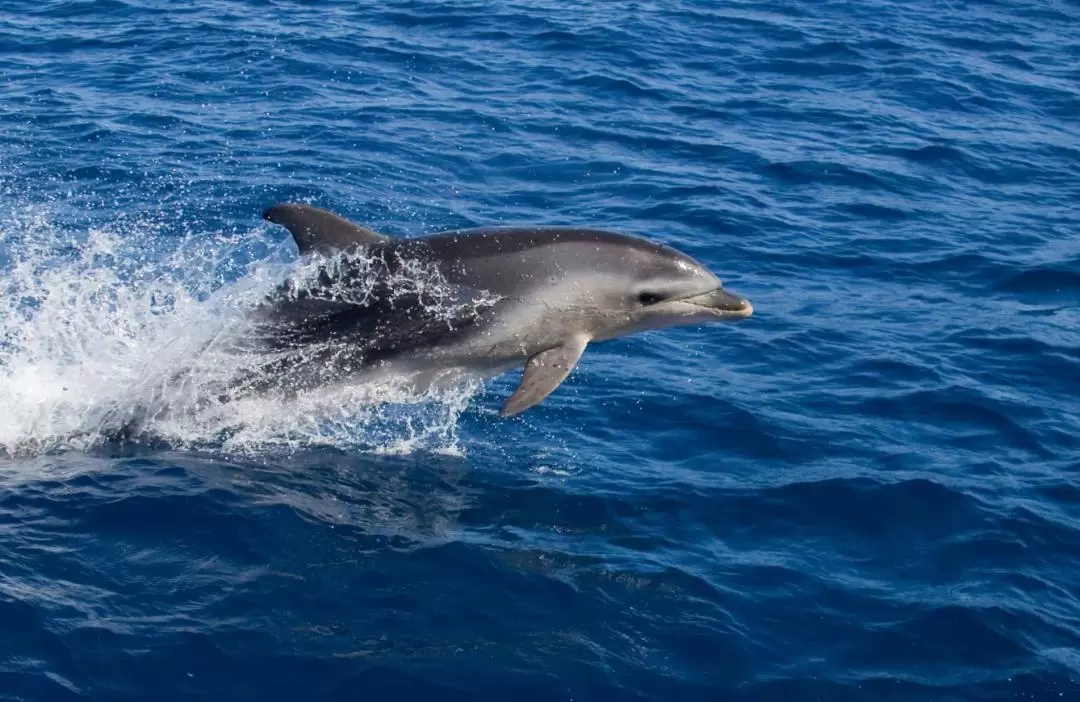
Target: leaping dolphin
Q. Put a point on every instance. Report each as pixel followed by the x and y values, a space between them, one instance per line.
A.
pixel 477 301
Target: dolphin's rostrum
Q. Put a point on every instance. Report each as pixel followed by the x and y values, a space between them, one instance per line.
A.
pixel 497 298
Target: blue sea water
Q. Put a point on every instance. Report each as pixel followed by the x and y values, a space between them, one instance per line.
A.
pixel 869 490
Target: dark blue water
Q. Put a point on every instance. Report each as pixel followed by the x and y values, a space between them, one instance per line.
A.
pixel 870 490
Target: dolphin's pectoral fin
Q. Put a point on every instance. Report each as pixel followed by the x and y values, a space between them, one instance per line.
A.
pixel 315 229
pixel 543 373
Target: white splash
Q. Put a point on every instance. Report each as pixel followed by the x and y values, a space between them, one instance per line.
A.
pixel 95 327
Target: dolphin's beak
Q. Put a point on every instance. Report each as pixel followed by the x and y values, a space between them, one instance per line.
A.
pixel 722 303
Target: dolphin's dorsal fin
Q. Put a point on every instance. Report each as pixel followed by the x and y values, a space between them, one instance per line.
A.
pixel 543 373
pixel 315 229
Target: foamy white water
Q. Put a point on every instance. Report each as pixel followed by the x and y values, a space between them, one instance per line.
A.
pixel 96 325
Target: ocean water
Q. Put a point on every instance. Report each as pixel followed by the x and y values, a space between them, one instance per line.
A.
pixel 869 490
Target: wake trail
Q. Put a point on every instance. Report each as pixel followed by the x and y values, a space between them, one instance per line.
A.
pixel 123 334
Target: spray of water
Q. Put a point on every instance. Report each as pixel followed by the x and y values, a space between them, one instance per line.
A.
pixel 96 327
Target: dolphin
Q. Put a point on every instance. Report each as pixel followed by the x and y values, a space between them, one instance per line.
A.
pixel 474 301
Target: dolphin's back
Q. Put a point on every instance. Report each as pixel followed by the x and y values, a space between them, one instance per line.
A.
pixel 486 242
pixel 512 261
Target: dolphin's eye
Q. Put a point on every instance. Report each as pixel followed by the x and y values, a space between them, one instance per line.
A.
pixel 648 298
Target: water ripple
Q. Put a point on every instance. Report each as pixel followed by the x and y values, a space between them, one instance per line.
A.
pixel 867 492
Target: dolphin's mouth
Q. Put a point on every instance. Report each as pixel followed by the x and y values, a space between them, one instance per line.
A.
pixel 721 303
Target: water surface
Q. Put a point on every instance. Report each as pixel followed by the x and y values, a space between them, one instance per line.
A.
pixel 867 491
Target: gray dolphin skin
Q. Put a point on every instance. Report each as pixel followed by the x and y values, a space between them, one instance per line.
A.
pixel 502 298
